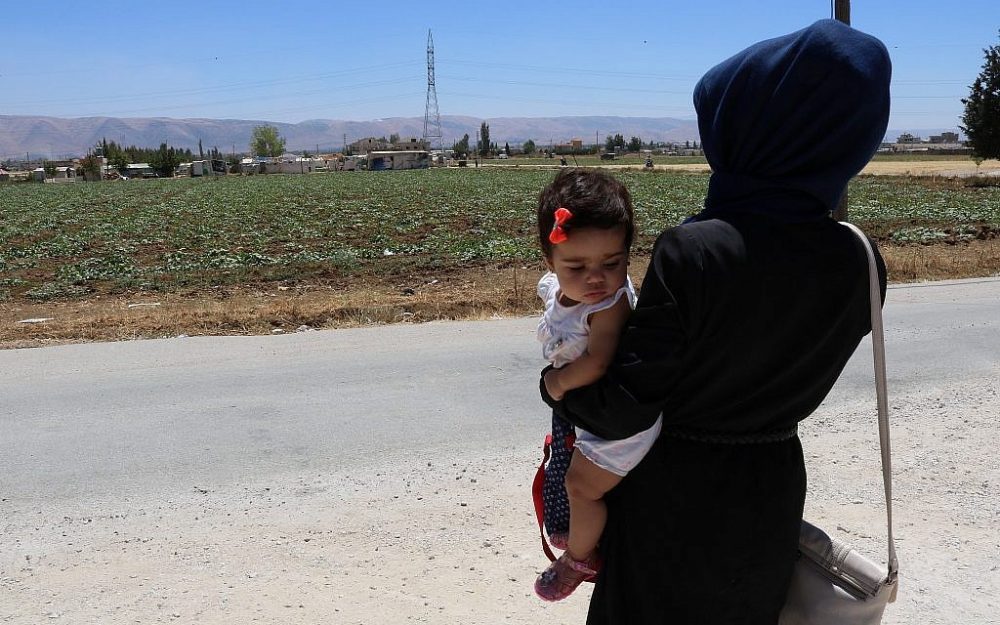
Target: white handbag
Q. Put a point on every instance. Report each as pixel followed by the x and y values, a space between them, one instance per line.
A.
pixel 833 584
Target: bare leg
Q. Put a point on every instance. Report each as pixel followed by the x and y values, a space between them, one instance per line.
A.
pixel 586 484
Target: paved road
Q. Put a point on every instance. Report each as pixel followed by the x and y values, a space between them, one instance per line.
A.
pixel 96 417
pixel 88 427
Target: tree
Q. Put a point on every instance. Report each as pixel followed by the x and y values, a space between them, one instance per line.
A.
pixel 265 141
pixel 91 167
pixel 982 108
pixel 528 147
pixel 118 161
pixel 394 138
pixel 50 169
pixel 634 144
pixel 461 147
pixel 609 144
pixel 506 148
pixel 165 161
pixel 484 139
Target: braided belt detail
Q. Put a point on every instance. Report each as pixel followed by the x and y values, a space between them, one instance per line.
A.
pixel 734 438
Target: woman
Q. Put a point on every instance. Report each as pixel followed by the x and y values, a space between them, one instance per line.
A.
pixel 748 314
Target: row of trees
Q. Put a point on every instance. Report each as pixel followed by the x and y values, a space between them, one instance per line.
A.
pixel 163 159
pixel 613 143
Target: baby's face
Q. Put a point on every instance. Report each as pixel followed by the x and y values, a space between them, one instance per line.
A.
pixel 591 264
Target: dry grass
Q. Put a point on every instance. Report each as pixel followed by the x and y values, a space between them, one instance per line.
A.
pixel 911 263
pixel 477 293
pixel 272 308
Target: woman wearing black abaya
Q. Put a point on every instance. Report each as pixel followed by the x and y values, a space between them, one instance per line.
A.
pixel 747 316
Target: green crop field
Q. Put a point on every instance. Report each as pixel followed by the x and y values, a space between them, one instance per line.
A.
pixel 69 240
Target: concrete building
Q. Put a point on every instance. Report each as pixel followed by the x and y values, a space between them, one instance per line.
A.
pixel 411 144
pixel 575 146
pixel 370 144
pixel 291 164
pixel 945 137
pixel 381 160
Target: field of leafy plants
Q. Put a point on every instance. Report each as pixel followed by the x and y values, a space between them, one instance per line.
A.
pixel 65 241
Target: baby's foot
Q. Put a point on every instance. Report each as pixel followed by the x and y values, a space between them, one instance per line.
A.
pixel 563 576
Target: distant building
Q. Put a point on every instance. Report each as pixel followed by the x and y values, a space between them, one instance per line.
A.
pixel 411 143
pixel 370 144
pixel 140 170
pixel 575 146
pixel 380 160
pixel 907 138
pixel 945 137
pixel 291 164
pixel 249 166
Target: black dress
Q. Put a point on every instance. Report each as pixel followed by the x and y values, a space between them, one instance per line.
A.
pixel 742 327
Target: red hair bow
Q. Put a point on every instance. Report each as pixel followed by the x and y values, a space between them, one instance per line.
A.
pixel 558 234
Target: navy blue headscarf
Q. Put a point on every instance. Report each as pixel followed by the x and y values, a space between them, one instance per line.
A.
pixel 786 123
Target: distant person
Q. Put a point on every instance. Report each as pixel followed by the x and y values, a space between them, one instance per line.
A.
pixel 747 316
pixel 586 226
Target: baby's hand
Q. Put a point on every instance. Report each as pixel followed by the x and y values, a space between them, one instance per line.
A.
pixel 552 386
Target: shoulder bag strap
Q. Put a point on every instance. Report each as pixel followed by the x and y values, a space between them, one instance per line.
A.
pixel 878 346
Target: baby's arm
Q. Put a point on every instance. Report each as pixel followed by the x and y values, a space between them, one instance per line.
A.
pixel 605 328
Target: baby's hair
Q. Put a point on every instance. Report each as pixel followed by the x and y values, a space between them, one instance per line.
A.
pixel 596 199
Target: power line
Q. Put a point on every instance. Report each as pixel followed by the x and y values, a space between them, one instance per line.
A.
pixel 566 70
pixel 227 87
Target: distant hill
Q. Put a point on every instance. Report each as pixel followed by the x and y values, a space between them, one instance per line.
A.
pixel 55 137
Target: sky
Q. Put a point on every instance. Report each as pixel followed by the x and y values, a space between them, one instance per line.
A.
pixel 290 62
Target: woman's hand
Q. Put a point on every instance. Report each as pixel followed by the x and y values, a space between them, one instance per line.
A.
pixel 552 386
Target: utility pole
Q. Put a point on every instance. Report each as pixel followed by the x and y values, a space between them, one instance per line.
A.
pixel 842 13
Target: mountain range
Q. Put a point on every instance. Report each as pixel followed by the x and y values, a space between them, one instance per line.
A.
pixel 58 137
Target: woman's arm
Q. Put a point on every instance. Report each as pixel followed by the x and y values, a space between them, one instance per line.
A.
pixel 605 328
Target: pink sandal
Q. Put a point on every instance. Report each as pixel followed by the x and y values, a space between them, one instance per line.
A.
pixel 564 575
